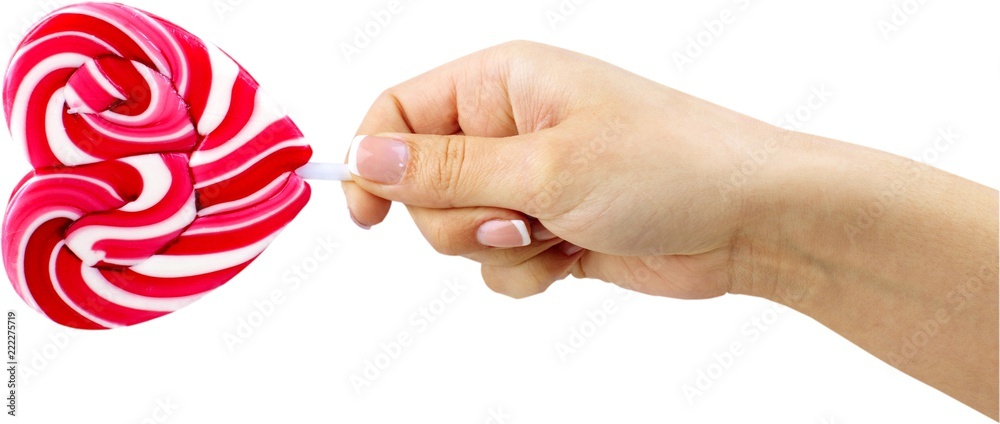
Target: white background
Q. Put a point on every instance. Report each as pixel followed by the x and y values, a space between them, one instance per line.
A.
pixel 486 355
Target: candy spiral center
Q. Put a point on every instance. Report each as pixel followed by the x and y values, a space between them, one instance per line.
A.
pixel 125 98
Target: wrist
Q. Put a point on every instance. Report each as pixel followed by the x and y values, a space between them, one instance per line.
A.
pixel 799 211
pixel 824 218
pixel 896 256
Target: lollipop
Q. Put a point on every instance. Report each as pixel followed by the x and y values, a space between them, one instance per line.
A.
pixel 160 168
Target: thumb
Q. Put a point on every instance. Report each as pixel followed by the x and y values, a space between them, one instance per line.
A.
pixel 449 171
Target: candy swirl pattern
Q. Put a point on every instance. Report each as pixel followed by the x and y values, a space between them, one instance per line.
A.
pixel 160 168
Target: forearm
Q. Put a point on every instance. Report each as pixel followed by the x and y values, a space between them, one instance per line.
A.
pixel 896 256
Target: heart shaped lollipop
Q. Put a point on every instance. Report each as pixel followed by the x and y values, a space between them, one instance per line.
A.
pixel 160 168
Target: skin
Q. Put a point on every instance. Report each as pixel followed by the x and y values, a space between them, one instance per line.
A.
pixel 670 195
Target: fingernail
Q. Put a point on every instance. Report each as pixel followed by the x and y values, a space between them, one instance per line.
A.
pixel 540 233
pixel 568 248
pixel 501 233
pixel 379 159
pixel 356 222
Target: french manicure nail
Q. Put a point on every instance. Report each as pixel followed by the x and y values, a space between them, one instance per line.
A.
pixel 379 159
pixel 540 233
pixel 503 233
pixel 569 249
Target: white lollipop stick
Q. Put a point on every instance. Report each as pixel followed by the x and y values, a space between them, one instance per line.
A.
pixel 324 171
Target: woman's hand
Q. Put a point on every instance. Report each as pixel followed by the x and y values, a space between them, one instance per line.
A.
pixel 638 175
pixel 622 179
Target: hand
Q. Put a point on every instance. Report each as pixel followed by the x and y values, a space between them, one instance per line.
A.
pixel 625 180
pixel 581 152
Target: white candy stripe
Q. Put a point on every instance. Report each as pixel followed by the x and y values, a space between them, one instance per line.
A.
pixel 83 240
pixel 63 34
pixel 112 293
pixel 96 126
pixel 156 181
pixel 224 74
pixel 254 198
pixel 38 178
pixel 62 293
pixel 64 149
pixel 150 50
pixel 181 81
pixel 262 116
pixel 70 93
pixel 250 222
pixel 19 109
pixel 106 85
pixel 298 142
pixel 154 100
pixel 22 249
pixel 73 98
pixel 178 266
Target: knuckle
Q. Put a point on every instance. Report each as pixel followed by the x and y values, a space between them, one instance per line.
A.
pixel 447 173
pixel 518 47
pixel 552 158
pixel 386 100
pixel 388 104
pixel 443 241
pixel 513 257
pixel 510 257
pixel 385 96
pixel 546 177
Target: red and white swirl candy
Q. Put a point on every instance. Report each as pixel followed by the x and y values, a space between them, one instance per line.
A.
pixel 160 168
